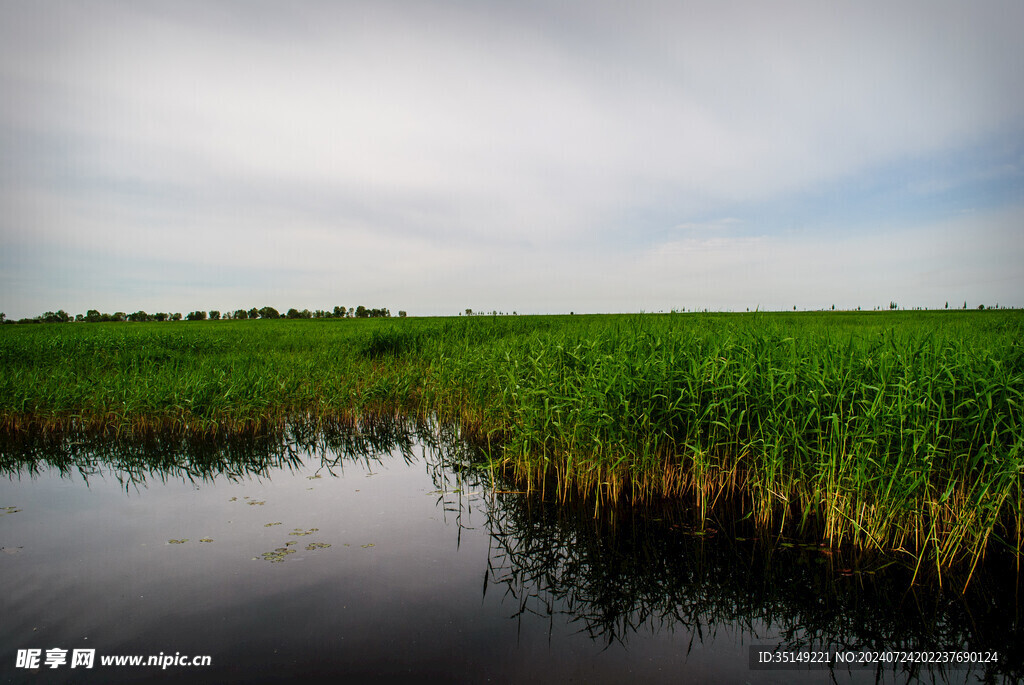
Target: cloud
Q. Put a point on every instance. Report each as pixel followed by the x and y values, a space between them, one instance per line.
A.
pixel 423 138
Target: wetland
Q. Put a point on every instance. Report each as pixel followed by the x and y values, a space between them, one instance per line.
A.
pixel 588 498
pixel 386 550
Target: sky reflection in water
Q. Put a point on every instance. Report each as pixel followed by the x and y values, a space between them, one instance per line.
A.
pixel 375 554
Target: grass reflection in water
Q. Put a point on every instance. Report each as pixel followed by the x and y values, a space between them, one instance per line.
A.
pixel 619 578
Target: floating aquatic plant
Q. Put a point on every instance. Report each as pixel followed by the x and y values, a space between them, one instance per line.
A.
pixel 278 555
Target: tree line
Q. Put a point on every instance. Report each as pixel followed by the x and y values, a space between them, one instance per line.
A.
pixel 95 316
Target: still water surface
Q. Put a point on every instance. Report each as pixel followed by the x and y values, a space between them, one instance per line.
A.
pixel 377 554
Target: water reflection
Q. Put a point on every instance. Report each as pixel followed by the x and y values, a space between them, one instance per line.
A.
pixel 162 456
pixel 628 585
pixel 635 572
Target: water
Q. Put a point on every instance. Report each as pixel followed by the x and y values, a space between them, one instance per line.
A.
pixel 380 555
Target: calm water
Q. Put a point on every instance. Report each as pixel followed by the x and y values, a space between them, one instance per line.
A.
pixel 378 556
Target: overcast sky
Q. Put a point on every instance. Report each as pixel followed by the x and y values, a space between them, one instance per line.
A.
pixel 514 156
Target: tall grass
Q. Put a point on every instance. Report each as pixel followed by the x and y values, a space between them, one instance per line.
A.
pixel 890 431
pixel 897 433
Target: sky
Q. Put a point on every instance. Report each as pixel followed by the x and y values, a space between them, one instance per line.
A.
pixel 537 157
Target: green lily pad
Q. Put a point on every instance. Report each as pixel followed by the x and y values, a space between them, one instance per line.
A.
pixel 278 555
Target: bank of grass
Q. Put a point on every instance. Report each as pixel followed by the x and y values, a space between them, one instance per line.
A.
pixel 198 376
pixel 893 431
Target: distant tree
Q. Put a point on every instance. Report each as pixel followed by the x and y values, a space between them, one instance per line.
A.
pixel 292 313
pixel 794 308
pixel 139 316
pixel 59 316
pixel 176 316
pixel 214 314
pixel 469 312
pixel 981 307
pixel 965 304
pixel 947 304
pixel 161 316
pixel 3 317
pixel 254 313
pixel 92 315
pixel 269 313
pixel 401 314
pixel 196 316
pixel 339 312
pixel 241 314
pixel 833 308
pixel 362 312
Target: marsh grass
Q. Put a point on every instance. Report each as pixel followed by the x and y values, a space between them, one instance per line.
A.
pixel 657 568
pixel 898 432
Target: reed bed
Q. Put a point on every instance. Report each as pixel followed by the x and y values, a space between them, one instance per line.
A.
pixel 890 431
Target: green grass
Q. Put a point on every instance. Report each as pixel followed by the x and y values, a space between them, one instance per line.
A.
pixel 892 431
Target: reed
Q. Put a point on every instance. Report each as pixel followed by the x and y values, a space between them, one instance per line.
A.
pixel 891 431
